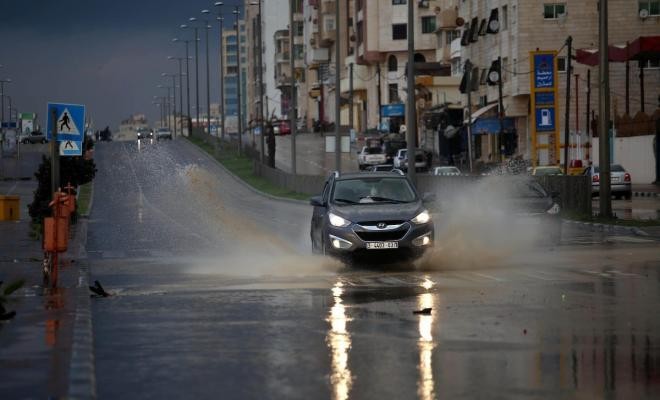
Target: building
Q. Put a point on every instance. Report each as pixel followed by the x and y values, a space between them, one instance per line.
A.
pixel 275 18
pixel 525 26
pixel 230 67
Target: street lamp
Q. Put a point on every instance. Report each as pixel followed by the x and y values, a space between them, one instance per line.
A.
pixel 221 19
pixel 187 81
pixel 208 95
pixel 164 74
pixel 261 82
pixel 180 91
pixel 193 19
pixel 238 80
pixel 166 101
pixel 160 106
pixel 2 90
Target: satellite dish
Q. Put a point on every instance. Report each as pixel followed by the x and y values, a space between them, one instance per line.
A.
pixel 460 21
pixel 643 13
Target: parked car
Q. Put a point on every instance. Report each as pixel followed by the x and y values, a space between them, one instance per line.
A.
pixel 620 181
pixel 381 168
pixel 32 138
pixel 371 218
pixel 547 170
pixel 281 127
pixel 421 160
pixel 370 156
pixel 163 133
pixel 145 133
pixel 533 204
pixel 446 171
pixel 391 147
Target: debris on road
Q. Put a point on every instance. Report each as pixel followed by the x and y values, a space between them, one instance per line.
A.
pixel 424 311
pixel 98 290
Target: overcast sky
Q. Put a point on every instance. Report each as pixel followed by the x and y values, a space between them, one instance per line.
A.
pixel 107 55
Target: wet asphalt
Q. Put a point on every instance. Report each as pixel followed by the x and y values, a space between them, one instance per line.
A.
pixel 216 296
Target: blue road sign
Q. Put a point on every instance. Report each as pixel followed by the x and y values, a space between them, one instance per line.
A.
pixel 544 71
pixel 70 121
pixel 70 148
pixel 545 119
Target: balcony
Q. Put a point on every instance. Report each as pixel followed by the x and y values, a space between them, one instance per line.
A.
pixel 328 38
pixel 328 6
pixel 282 58
pixel 447 19
pixel 282 81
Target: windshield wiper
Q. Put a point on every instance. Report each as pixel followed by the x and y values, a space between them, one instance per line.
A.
pixel 383 199
pixel 346 201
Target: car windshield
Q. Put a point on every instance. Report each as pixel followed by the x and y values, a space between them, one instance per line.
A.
pixel 613 168
pixel 373 190
pixel 528 189
pixel 372 150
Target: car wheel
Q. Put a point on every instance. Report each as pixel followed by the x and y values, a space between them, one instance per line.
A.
pixel 628 195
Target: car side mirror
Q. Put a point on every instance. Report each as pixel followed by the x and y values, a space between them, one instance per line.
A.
pixel 428 197
pixel 317 201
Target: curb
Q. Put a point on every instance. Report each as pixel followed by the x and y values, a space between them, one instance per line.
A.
pixel 245 184
pixel 82 373
pixel 597 227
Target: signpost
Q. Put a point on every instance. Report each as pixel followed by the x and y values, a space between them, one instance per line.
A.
pixel 543 85
pixel 70 125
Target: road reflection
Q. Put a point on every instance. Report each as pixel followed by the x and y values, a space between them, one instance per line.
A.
pixel 425 385
pixel 339 341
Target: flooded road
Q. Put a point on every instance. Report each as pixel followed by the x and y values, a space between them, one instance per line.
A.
pixel 216 296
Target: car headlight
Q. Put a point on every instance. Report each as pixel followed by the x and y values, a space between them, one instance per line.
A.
pixel 336 220
pixel 422 217
pixel 554 209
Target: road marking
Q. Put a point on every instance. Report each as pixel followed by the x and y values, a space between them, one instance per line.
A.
pixel 489 277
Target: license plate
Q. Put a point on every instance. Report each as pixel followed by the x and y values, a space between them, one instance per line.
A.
pixel 382 245
pixel 615 179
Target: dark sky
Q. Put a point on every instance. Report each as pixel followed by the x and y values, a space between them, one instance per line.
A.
pixel 107 55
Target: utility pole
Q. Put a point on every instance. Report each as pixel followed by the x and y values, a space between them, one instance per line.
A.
pixel 468 86
pixel 587 119
pixel 221 19
pixel 196 76
pixel 55 155
pixel 605 194
pixel 261 88
pixel 350 97
pixel 238 81
pixel 380 100
pixel 411 123
pixel 337 92
pixel 180 97
pixel 293 105
pixel 641 85
pixel 500 105
pixel 567 110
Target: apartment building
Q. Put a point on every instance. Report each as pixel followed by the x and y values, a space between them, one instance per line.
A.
pixel 230 64
pixel 529 25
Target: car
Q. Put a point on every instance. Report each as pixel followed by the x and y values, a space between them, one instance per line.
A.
pixel 32 138
pixel 380 168
pixel 145 133
pixel 620 183
pixel 547 170
pixel 446 171
pixel 370 156
pixel 163 133
pixel 281 127
pixel 391 147
pixel 371 218
pixel 535 205
pixel 421 160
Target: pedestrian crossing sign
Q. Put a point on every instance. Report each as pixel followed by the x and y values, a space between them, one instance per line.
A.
pixel 70 148
pixel 69 120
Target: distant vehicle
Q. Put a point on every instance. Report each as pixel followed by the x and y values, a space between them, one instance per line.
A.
pixel 281 127
pixel 620 181
pixel 534 204
pixel 163 133
pixel 381 168
pixel 446 171
pixel 421 160
pixel 145 133
pixel 371 218
pixel 370 156
pixel 391 147
pixel 547 170
pixel 32 138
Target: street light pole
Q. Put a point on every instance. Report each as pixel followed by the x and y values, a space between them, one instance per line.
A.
pixel 208 93
pixel 2 90
pixel 193 19
pixel 337 92
pixel 180 74
pixel 173 98
pixel 605 194
pixel 294 94
pixel 238 80
pixel 221 19
pixel 411 125
pixel 261 82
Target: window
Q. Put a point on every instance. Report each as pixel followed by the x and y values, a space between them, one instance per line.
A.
pixel 393 89
pixel 232 70
pixel 298 28
pixel 561 64
pixel 652 6
pixel 651 64
pixel 419 58
pixel 298 51
pixel 398 2
pixel 232 48
pixel 360 32
pixel 505 18
pixel 428 24
pixel 399 31
pixel 392 63
pixel 329 24
pixel 553 10
pixel 451 36
pixel 231 39
pixel 231 59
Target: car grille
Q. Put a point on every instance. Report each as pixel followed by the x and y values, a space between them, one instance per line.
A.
pixel 381 236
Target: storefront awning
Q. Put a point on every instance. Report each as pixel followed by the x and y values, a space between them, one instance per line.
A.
pixel 481 112
pixel 642 48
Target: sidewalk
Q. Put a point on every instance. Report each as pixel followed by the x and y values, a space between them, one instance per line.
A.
pixel 649 190
pixel 36 344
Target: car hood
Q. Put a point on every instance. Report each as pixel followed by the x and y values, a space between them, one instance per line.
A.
pixel 378 211
pixel 532 204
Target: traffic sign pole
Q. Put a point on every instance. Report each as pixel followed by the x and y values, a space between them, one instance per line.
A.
pixel 54 155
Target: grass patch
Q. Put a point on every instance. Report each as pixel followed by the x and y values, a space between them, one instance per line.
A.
pixel 241 166
pixel 84 198
pixel 612 221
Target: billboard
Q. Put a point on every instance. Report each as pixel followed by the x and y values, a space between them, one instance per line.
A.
pixel 543 98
